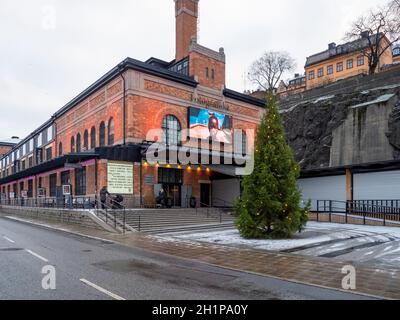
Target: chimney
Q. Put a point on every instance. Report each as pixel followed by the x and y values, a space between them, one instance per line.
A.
pixel 332 46
pixel 186 13
pixel 364 35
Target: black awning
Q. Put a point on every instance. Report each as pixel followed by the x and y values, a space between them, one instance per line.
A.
pixel 358 168
pixel 49 165
pixel 129 153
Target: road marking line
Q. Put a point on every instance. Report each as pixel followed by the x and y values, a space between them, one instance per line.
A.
pixel 37 256
pixel 8 239
pixel 110 294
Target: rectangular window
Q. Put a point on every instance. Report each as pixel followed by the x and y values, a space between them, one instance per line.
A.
pixel 30 188
pixel 49 153
pixel 311 75
pixel 330 69
pixel 170 176
pixel 349 64
pixel 320 72
pixel 360 61
pixel 65 179
pixel 30 161
pixel 23 164
pixel 53 185
pixel 80 181
pixel 339 67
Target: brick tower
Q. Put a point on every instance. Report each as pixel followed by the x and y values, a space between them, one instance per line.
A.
pixel 186 12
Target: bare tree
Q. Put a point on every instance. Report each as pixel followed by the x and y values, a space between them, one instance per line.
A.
pixel 379 30
pixel 267 71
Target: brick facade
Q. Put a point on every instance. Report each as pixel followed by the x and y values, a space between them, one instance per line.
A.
pixel 136 100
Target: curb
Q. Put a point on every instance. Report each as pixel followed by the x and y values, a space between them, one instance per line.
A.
pixel 51 228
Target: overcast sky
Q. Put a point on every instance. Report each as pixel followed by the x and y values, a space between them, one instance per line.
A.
pixel 51 50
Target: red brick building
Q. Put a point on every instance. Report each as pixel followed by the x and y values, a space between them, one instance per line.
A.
pixel 100 138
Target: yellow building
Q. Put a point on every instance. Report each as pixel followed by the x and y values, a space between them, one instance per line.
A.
pixel 342 61
pixel 294 85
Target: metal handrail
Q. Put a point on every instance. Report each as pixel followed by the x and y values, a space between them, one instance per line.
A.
pixel 107 208
pixel 356 208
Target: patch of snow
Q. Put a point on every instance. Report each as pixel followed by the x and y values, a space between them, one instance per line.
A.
pixel 320 99
pixel 382 99
pixel 327 232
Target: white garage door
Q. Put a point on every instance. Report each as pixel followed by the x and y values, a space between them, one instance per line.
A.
pixel 377 186
pixel 225 192
pixel 323 188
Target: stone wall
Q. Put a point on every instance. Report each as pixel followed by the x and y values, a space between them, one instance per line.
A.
pixel 80 218
pixel 327 131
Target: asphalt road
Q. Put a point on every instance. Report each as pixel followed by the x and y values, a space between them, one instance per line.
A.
pixel 88 269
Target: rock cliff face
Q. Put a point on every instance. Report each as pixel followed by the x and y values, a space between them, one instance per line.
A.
pixel 313 124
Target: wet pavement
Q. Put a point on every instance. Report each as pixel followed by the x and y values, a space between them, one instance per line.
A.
pixel 317 271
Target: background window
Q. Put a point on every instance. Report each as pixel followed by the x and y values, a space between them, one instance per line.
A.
pixel 53 185
pixel 111 132
pixel 360 61
pixel 102 135
pixel 349 64
pixel 72 145
pixel 311 75
pixel 86 141
pixel 60 149
pixel 80 181
pixel 49 154
pixel 93 138
pixel 320 72
pixel 78 143
pixel 171 130
pixel 330 69
pixel 339 67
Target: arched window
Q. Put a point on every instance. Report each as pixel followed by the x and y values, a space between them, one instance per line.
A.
pixel 171 130
pixel 93 138
pixel 60 149
pixel 111 132
pixel 244 143
pixel 102 135
pixel 72 145
pixel 78 143
pixel 86 141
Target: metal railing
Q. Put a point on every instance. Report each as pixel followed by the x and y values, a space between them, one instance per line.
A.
pixel 112 213
pixel 380 210
pixel 64 202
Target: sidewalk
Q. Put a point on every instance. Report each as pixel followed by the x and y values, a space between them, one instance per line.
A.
pixel 300 269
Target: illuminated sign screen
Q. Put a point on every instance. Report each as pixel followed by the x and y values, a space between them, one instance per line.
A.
pixel 205 124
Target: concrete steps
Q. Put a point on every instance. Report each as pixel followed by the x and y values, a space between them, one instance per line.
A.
pixel 177 220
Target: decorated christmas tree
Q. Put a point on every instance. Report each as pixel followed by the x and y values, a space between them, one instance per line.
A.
pixel 270 207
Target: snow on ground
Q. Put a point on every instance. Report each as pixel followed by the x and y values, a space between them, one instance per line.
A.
pixel 315 233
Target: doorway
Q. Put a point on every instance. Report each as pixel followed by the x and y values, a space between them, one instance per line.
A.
pixel 205 195
pixel 173 191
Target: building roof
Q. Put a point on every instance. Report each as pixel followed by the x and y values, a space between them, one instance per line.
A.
pixel 8 143
pixel 337 50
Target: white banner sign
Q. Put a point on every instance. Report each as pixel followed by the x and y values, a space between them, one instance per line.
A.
pixel 120 178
